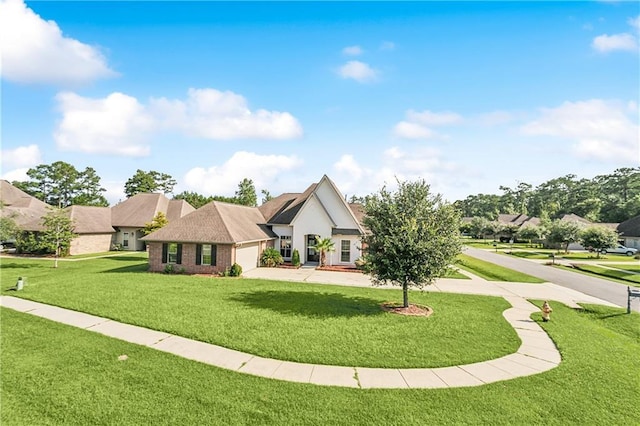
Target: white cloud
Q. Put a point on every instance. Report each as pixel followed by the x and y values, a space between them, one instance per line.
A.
pixel 408 130
pixel 397 163
pixel 114 191
pixel 387 45
pixel 635 22
pixel 352 50
pixel 22 156
pixel 601 130
pixel 117 124
pixel 212 114
pixel 223 179
pixel 358 71
pixel 19 175
pixel 608 43
pixel 417 125
pixel 36 51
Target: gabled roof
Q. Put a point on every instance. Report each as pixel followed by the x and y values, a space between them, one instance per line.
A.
pixel 358 211
pixel 216 222
pixel 630 227
pixel 277 205
pixel 575 219
pixel 26 210
pixel 290 209
pixel 137 211
pixel 90 220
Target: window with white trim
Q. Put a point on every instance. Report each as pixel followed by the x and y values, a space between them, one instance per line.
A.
pixel 345 251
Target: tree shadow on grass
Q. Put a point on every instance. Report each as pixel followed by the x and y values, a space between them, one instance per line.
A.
pixel 6 265
pixel 144 267
pixel 310 304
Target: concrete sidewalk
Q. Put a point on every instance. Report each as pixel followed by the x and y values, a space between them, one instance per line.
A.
pixel 536 354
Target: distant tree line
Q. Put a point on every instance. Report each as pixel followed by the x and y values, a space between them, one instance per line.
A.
pixel 61 185
pixel 606 198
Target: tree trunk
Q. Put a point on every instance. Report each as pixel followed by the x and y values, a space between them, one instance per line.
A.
pixel 405 295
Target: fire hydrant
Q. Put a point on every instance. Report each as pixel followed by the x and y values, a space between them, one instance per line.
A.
pixel 546 311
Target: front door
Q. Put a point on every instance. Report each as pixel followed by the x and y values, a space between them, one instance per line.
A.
pixel 312 254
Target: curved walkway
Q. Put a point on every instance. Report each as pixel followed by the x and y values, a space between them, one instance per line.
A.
pixel 536 354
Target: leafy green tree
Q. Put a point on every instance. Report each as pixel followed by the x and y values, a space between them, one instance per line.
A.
pixel 9 229
pixel 480 226
pixel 495 228
pixel 413 236
pixel 246 193
pixel 324 246
pixel 196 200
pixel 58 233
pixel 89 192
pixel 598 238
pixel 266 196
pixel 60 184
pixel 151 181
pixel 564 233
pixel 271 258
pixel 160 220
pixel 530 233
pixel 481 205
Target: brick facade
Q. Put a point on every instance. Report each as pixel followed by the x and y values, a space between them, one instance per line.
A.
pixel 224 255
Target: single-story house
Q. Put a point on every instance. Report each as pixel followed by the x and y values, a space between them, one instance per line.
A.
pixel 25 210
pixel 629 231
pixel 217 235
pixel 584 223
pixel 211 239
pixel 93 226
pixel 129 217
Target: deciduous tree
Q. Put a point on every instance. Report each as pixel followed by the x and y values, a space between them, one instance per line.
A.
pixel 413 236
pixel 160 220
pixel 58 233
pixel 598 238
pixel 564 233
pixel 246 193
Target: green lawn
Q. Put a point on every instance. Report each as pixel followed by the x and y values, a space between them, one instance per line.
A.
pixel 301 322
pixel 56 374
pixel 629 278
pixel 493 272
pixel 631 268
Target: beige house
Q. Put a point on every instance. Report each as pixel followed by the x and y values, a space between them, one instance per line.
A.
pixel 129 217
pixel 93 226
pixel 629 231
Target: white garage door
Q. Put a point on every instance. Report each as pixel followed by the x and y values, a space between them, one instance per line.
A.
pixel 247 256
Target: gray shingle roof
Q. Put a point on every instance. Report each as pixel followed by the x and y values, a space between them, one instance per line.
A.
pixel 26 211
pixel 291 209
pixel 630 227
pixel 90 220
pixel 216 222
pixel 137 211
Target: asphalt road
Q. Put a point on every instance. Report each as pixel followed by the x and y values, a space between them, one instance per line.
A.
pixel 596 287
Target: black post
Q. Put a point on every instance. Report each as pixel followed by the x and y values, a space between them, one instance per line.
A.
pixel 628 299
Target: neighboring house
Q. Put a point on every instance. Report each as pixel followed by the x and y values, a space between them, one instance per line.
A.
pixel 129 217
pixel 93 226
pixel 217 235
pixel 629 231
pixel 26 211
pixel 519 220
pixel 211 239
pixel 584 223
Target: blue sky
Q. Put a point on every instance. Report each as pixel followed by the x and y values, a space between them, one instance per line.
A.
pixel 467 95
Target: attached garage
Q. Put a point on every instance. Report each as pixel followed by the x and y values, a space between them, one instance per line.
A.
pixel 247 255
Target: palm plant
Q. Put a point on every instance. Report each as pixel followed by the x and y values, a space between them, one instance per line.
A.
pixel 324 246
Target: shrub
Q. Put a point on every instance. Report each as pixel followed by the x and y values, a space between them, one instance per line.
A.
pixel 360 263
pixel 169 269
pixel 271 258
pixel 295 258
pixel 235 271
